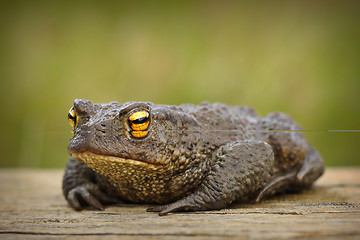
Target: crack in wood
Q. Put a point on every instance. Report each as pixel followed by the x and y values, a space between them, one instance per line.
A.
pixel 117 234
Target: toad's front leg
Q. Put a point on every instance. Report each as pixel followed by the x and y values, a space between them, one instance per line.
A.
pixel 238 172
pixel 80 187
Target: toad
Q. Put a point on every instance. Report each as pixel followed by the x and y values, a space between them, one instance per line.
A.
pixel 183 158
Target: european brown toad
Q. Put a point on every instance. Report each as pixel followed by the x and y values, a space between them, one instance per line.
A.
pixel 185 158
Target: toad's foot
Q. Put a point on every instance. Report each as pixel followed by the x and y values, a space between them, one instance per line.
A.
pixel 89 195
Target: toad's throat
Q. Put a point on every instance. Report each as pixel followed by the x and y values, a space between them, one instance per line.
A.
pixel 135 180
pixel 111 163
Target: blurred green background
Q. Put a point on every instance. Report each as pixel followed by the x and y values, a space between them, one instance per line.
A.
pixel 299 57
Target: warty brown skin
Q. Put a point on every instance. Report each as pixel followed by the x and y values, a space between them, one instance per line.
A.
pixel 189 157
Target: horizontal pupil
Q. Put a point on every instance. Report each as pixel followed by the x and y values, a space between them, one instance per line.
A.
pixel 71 116
pixel 140 120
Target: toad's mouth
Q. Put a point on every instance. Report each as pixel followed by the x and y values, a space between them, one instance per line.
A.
pixel 94 161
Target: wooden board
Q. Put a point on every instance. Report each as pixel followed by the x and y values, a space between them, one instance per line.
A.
pixel 32 207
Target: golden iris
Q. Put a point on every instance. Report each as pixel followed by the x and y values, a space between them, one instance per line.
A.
pixel 72 118
pixel 139 122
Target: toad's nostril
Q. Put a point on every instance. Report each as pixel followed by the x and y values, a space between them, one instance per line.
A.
pixel 101 128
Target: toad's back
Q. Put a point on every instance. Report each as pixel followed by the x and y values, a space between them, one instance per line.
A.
pixel 222 123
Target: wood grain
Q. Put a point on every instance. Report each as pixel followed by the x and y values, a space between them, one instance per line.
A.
pixel 32 207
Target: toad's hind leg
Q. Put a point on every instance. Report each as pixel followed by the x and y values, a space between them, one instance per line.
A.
pixel 311 170
pixel 296 180
pixel 238 172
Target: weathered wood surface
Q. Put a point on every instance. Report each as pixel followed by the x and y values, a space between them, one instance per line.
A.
pixel 32 207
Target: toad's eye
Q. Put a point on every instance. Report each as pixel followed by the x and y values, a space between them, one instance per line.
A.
pixel 139 122
pixel 73 118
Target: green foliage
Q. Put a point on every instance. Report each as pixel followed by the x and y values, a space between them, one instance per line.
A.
pixel 299 57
